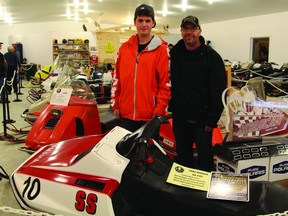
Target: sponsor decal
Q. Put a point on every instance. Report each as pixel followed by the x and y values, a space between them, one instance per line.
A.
pixel 168 142
pixel 223 167
pixel 255 171
pixel 280 168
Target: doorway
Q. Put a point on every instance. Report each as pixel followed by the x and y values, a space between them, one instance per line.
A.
pixel 260 49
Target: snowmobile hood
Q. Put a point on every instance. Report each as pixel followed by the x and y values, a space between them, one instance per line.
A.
pixel 78 156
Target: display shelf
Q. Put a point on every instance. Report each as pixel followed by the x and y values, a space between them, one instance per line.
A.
pixel 76 52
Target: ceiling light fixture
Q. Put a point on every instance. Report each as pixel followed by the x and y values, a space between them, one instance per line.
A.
pixel 80 8
pixel 76 18
pixel 5 16
pixel 164 12
pixel 68 13
pixel 165 9
pixel 1 12
pixel 76 4
pixel 184 5
pixel 85 8
pixel 210 2
pixel 8 19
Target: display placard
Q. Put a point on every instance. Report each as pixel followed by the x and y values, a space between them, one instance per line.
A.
pixel 61 96
pixel 229 186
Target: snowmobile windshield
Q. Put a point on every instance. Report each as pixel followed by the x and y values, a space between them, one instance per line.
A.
pixel 81 92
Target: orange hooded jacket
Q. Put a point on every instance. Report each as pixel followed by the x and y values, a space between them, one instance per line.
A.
pixel 141 83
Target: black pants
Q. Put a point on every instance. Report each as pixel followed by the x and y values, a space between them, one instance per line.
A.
pixel 186 135
pixel 10 73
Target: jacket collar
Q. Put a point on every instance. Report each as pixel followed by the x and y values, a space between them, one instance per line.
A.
pixel 155 42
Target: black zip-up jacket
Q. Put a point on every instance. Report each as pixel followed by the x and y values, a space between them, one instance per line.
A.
pixel 2 67
pixel 12 59
pixel 198 79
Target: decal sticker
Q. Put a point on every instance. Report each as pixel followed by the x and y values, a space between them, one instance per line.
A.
pixel 281 167
pixel 168 142
pixel 254 171
pixel 85 202
pixel 32 188
pixel 223 167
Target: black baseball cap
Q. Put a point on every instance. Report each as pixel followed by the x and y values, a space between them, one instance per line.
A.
pixel 191 19
pixel 146 10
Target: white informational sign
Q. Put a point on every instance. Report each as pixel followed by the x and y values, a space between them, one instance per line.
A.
pixel 188 177
pixel 61 96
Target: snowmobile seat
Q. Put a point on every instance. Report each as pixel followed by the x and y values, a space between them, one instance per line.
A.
pixel 108 120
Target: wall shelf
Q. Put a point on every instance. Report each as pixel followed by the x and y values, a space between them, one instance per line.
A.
pixel 76 52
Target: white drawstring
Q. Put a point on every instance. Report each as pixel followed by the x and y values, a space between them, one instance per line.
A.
pixel 9 82
pixel 2 87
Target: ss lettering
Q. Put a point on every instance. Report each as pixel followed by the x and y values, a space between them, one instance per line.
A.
pixel 86 203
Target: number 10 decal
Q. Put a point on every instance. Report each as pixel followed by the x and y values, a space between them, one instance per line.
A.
pixel 32 189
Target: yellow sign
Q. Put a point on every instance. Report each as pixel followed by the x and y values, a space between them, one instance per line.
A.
pixel 109 48
pixel 188 177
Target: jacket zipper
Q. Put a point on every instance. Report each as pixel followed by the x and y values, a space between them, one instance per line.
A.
pixel 135 75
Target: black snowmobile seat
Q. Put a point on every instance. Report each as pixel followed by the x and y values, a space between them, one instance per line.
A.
pixel 108 120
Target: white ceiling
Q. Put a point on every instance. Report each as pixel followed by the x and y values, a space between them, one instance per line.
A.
pixel 116 12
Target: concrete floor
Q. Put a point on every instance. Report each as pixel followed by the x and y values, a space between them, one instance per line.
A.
pixel 10 156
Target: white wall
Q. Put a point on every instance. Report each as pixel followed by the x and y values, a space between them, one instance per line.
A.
pixel 173 37
pixel 37 47
pixel 37 38
pixel 230 38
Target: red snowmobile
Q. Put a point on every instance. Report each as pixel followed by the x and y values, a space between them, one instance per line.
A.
pixel 80 117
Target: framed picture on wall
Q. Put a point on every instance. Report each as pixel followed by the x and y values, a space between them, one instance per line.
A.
pixel 260 49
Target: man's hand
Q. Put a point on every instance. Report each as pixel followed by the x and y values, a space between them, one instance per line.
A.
pixel 117 113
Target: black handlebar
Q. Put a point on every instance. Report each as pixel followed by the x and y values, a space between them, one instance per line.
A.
pixel 140 138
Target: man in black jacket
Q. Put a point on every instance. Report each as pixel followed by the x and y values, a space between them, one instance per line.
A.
pixel 3 66
pixel 13 65
pixel 198 78
pixel 3 69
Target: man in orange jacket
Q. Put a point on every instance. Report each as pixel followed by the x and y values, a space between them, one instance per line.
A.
pixel 141 83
